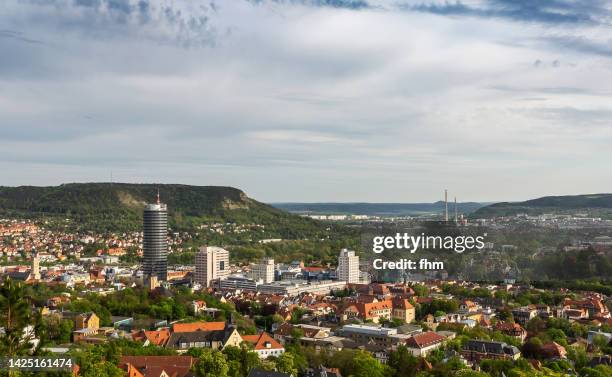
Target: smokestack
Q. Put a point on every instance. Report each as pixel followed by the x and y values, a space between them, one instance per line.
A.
pixel 446 205
pixel 455 209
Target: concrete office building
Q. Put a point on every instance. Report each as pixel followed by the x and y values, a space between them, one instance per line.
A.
pixel 264 271
pixel 348 266
pixel 212 263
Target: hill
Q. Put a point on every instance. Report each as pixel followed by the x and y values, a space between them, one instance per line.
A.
pixel 600 204
pixel 378 209
pixel 119 207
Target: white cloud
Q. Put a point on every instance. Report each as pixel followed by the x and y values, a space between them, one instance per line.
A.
pixel 292 101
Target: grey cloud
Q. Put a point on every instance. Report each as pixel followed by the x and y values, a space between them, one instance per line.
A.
pixel 551 12
pixel 581 44
pixel 347 4
pixel 187 25
pixel 18 35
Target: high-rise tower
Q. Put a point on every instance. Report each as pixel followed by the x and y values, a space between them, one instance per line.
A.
pixel 155 244
pixel 348 266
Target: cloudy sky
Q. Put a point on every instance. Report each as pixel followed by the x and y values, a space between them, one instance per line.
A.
pixel 310 100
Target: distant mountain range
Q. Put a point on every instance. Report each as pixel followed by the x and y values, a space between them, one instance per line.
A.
pixel 598 203
pixel 119 206
pixel 378 209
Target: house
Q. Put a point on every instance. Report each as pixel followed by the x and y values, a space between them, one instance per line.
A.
pixel 380 353
pixel 477 350
pixel 284 332
pixel 157 366
pixel 86 321
pixel 553 350
pixel 215 339
pixel 349 312
pixel 422 344
pixel 524 314
pixel 468 306
pixel 511 329
pixel 403 310
pixel 264 345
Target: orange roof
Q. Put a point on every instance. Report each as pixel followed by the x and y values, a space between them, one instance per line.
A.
pixel 261 341
pixel 198 326
pixel 158 338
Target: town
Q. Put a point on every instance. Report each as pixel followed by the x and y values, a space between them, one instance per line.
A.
pixel 266 318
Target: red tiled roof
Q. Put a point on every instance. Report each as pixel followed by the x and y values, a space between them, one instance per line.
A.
pixel 366 310
pixel 424 339
pixel 198 326
pixel 158 338
pixel 153 366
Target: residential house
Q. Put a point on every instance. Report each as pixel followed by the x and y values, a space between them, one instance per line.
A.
pixel 553 350
pixel 86 321
pixel 477 350
pixel 264 345
pixel 524 314
pixel 511 329
pixel 421 344
pixel 403 310
pixel 215 339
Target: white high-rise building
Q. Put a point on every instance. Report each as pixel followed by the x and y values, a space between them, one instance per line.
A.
pixel 212 263
pixel 348 266
pixel 264 271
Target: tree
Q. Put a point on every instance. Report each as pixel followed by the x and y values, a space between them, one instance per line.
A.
pixel 15 315
pixel 211 364
pixel 403 362
pixel 102 369
pixel 285 364
pixel 366 366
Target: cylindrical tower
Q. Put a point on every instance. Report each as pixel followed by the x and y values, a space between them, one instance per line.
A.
pixel 155 244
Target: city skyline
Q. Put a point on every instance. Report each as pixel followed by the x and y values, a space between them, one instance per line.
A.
pixel 309 100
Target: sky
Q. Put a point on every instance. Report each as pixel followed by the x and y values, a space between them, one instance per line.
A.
pixel 310 100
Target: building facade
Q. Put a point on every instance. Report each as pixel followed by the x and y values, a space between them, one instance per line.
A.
pixel 348 266
pixel 264 271
pixel 212 263
pixel 154 243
